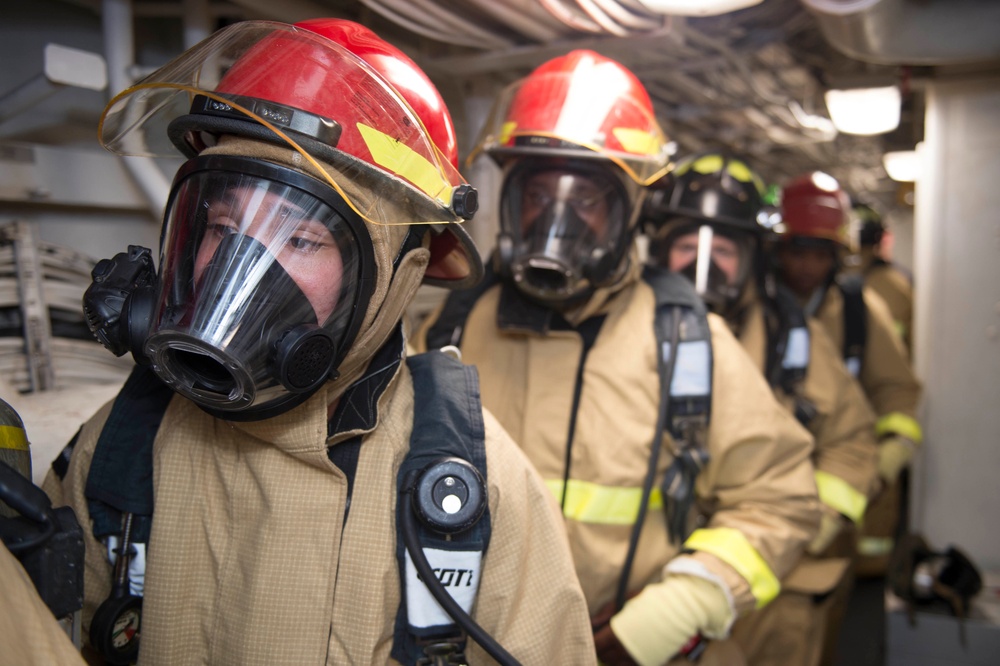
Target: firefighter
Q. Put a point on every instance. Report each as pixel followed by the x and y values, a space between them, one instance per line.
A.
pixel 252 480
pixel 687 490
pixel 815 214
pixel 702 221
pixel 868 233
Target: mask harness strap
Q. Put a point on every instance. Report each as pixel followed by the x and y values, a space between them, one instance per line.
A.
pixel 792 345
pixel 684 360
pixel 119 494
pixel 855 322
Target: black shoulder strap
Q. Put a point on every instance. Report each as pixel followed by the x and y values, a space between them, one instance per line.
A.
pixel 450 324
pixel 855 322
pixel 789 354
pixel 684 355
pixel 447 423
pixel 121 472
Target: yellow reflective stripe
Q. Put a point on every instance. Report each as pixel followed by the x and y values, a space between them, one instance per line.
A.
pixel 505 131
pixel 900 328
pixel 588 502
pixel 875 546
pixel 730 546
pixel 636 141
pixel 840 496
pixel 705 165
pixel 13 437
pixel 406 163
pixel 740 171
pixel 708 164
pixel 895 423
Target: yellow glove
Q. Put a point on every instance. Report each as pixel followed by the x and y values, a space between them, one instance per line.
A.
pixel 662 618
pixel 894 453
pixel 830 525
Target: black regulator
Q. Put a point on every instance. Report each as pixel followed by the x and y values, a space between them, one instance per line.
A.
pixel 118 305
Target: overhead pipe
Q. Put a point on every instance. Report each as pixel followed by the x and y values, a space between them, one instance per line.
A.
pixel 435 13
pixel 527 17
pixel 570 17
pixel 602 19
pixel 906 32
pixel 630 16
pixel 411 19
pixel 119 52
pixel 528 57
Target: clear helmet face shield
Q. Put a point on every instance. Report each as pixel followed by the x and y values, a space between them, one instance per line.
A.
pixel 351 126
pixel 263 281
pixel 563 229
pixel 303 91
pixel 718 262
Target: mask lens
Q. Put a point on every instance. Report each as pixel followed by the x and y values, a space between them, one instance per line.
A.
pixel 719 264
pixel 562 221
pixel 259 284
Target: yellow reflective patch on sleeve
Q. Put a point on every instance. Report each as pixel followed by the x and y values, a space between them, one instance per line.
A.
pixel 406 163
pixel 636 141
pixel 732 547
pixel 875 546
pixel 841 496
pixel 895 423
pixel 13 437
pixel 602 505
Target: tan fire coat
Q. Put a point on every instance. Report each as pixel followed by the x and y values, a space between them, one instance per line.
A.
pixel 886 376
pixel 757 494
pixel 845 458
pixel 250 560
pixel 792 629
pixel 897 292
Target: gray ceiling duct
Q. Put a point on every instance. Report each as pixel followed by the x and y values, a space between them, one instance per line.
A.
pixel 911 32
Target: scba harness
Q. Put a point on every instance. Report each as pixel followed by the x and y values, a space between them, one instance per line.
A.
pixel 789 352
pixel 684 366
pixel 442 513
pixel 855 322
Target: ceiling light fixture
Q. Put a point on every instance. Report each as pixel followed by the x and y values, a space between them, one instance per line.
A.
pixel 902 165
pixel 696 7
pixel 864 111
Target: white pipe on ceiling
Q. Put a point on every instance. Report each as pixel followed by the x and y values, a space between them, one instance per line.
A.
pixel 569 16
pixel 119 52
pixel 602 19
pixel 630 16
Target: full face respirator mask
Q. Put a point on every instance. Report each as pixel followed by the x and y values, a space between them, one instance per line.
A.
pixel 563 230
pixel 264 277
pixel 718 264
